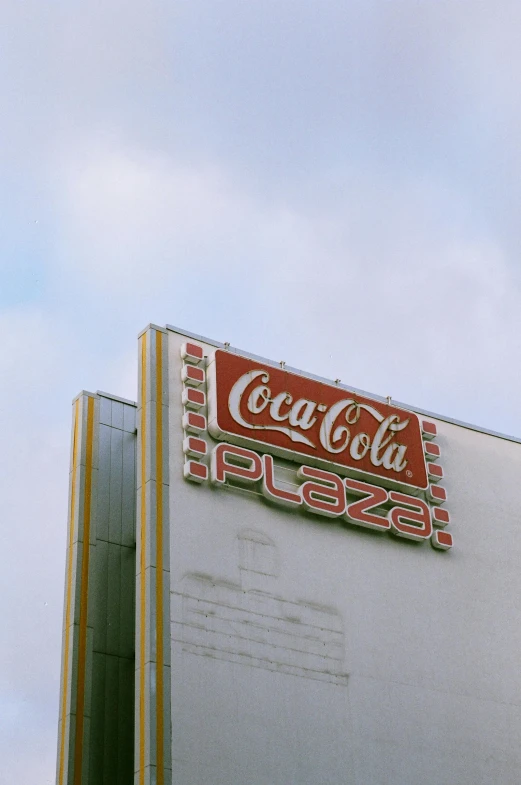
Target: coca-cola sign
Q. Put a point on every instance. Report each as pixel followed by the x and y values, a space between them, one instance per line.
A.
pixel 305 420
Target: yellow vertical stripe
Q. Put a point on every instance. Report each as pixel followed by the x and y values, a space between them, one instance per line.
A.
pixel 82 643
pixel 159 560
pixel 142 565
pixel 65 674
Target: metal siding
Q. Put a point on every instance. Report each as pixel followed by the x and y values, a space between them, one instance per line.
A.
pixel 127 602
pixel 128 505
pixel 108 601
pixel 117 414
pixel 129 419
pixel 102 530
pixel 116 485
pixel 113 599
pixel 97 735
pixel 110 757
pixel 99 595
pixel 126 720
pixel 105 411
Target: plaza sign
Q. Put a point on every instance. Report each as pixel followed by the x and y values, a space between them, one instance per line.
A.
pixel 360 460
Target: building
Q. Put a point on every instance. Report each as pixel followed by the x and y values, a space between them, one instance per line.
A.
pixel 275 579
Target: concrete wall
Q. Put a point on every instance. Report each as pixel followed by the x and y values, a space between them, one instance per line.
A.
pixel 308 651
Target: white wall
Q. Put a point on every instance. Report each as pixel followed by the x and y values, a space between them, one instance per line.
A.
pixel 307 652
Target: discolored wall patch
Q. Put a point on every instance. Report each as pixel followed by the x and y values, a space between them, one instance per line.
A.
pixel 236 623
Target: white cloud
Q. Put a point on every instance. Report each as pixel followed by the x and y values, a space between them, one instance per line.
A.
pixel 408 297
pixel 129 215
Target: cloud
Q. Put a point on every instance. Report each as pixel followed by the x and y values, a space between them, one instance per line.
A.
pixel 411 299
pixel 129 215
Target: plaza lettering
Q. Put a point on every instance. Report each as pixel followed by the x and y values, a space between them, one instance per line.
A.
pixel 325 493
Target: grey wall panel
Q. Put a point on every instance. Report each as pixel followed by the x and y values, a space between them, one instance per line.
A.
pixel 128 501
pixel 117 415
pixel 127 602
pixel 105 416
pixel 113 598
pixel 99 594
pixel 97 736
pixel 126 718
pixel 116 484
pixel 129 419
pixel 102 530
pixel 111 719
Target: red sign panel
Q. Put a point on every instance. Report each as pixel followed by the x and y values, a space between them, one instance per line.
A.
pixel 306 420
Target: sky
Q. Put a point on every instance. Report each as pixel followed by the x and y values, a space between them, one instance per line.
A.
pixel 332 183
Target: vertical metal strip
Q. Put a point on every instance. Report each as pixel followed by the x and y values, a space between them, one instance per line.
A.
pixel 82 642
pixel 160 771
pixel 65 674
pixel 142 630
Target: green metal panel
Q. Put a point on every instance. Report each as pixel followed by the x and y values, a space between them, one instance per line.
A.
pixel 98 662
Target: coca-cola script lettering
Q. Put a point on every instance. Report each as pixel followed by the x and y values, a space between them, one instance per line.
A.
pixel 294 416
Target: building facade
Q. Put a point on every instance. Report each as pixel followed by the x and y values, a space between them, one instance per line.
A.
pixel 275 579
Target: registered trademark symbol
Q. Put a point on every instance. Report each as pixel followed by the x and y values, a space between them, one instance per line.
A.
pixel 408 473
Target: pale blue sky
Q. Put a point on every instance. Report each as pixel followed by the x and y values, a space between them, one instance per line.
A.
pixel 335 183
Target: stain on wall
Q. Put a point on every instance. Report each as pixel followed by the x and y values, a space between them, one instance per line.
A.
pixel 259 628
